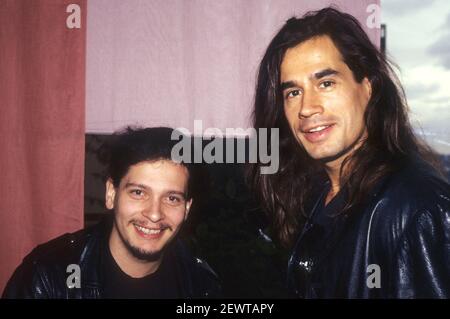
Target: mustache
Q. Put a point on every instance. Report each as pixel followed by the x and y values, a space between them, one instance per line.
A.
pixel 143 223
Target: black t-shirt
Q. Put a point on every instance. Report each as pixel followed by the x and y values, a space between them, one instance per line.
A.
pixel 328 234
pixel 328 222
pixel 326 215
pixel 162 284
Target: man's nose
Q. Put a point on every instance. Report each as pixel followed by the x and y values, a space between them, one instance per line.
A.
pixel 153 211
pixel 311 104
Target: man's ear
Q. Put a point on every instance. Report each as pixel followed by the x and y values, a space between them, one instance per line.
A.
pixel 367 88
pixel 188 208
pixel 110 194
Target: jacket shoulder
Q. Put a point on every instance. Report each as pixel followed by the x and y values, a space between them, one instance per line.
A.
pixel 59 248
pixel 408 232
pixel 212 286
pixel 205 281
pixel 407 196
pixel 417 187
pixel 41 270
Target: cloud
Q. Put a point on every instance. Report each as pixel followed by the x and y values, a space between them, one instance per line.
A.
pixel 418 91
pixel 440 105
pixel 432 114
pixel 435 121
pixel 402 7
pixel 419 39
pixel 441 48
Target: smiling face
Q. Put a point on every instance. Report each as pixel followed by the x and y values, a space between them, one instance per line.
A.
pixel 323 103
pixel 150 206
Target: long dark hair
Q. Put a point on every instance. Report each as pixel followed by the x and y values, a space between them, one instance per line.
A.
pixel 390 140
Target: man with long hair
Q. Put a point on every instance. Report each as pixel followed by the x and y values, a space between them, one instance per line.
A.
pixel 358 197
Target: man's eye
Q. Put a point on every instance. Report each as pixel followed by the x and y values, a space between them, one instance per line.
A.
pixel 174 200
pixel 293 93
pixel 137 192
pixel 326 84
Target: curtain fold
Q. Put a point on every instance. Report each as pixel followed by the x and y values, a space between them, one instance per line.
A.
pixel 42 124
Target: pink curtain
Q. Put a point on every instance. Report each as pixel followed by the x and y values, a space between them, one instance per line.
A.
pixel 172 62
pixel 42 92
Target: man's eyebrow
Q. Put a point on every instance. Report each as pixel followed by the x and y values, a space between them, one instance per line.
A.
pixel 288 85
pixel 130 184
pixel 177 193
pixel 318 75
pixel 174 192
pixel 323 73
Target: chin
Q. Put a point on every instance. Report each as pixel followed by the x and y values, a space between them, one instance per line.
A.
pixel 324 156
pixel 144 253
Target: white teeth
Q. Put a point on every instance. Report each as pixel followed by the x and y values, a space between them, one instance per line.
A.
pixel 148 231
pixel 317 129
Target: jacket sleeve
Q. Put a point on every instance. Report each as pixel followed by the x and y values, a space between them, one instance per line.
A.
pixel 422 268
pixel 27 282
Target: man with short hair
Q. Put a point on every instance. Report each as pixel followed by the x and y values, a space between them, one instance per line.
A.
pixel 135 253
pixel 356 197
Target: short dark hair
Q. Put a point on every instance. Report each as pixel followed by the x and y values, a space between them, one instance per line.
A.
pixel 390 142
pixel 131 146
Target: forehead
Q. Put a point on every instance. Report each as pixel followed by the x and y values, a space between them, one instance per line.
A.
pixel 311 56
pixel 158 174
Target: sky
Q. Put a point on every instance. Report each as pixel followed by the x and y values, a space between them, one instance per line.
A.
pixel 418 41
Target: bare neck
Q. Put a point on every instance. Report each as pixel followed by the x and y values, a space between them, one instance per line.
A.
pixel 129 264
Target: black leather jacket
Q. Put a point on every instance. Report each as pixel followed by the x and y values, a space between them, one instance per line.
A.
pixel 42 273
pixel 404 229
